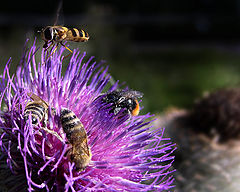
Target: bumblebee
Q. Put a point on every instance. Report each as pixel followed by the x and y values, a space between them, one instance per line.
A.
pixel 123 100
pixel 57 34
pixel 38 109
pixel 80 152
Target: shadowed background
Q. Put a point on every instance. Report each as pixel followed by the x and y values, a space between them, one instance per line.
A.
pixel 171 50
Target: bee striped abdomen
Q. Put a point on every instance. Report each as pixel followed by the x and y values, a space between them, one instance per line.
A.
pixel 36 110
pixel 80 152
pixel 72 126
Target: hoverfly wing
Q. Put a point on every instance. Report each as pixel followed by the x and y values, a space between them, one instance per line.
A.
pixel 59 20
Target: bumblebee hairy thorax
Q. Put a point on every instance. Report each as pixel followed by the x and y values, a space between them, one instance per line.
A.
pixel 123 100
pixel 79 153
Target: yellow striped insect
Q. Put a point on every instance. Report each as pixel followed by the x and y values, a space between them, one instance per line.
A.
pixel 38 110
pixel 80 152
pixel 57 34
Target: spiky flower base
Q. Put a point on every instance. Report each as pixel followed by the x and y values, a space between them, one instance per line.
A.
pixel 127 155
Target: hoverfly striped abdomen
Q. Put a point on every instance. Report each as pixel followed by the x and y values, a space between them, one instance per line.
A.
pixel 77 35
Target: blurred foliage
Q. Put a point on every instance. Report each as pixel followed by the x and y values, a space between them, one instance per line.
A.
pixel 172 59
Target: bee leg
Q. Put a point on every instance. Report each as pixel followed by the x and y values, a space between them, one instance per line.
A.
pixel 44 127
pixel 53 133
pixel 53 111
pixel 68 152
pixel 67 49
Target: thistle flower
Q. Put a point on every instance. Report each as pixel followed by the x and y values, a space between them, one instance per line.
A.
pixel 127 154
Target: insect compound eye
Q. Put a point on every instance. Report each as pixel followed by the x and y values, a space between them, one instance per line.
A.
pixel 48 33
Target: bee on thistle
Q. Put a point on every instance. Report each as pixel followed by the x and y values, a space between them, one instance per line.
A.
pixel 123 100
pixel 101 152
pixel 79 152
pixel 38 110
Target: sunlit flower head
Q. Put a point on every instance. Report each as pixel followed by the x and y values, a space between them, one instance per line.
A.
pixel 127 154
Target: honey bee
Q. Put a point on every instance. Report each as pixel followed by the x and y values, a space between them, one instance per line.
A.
pixel 79 152
pixel 126 100
pixel 57 34
pixel 38 109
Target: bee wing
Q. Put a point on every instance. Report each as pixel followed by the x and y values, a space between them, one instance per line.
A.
pixel 36 98
pixel 137 94
pixel 86 147
pixel 132 93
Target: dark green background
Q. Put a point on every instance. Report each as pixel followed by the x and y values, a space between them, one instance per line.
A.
pixel 171 50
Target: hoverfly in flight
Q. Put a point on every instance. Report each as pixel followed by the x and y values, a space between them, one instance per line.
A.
pixel 56 34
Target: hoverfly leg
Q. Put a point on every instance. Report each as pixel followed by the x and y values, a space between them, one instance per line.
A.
pixel 47 46
pixel 52 51
pixel 67 49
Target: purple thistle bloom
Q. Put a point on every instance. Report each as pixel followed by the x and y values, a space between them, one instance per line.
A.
pixel 127 153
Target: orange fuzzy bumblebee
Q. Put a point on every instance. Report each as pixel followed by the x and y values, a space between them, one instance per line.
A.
pixel 123 100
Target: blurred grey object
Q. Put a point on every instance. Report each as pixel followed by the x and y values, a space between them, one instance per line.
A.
pixel 207 160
